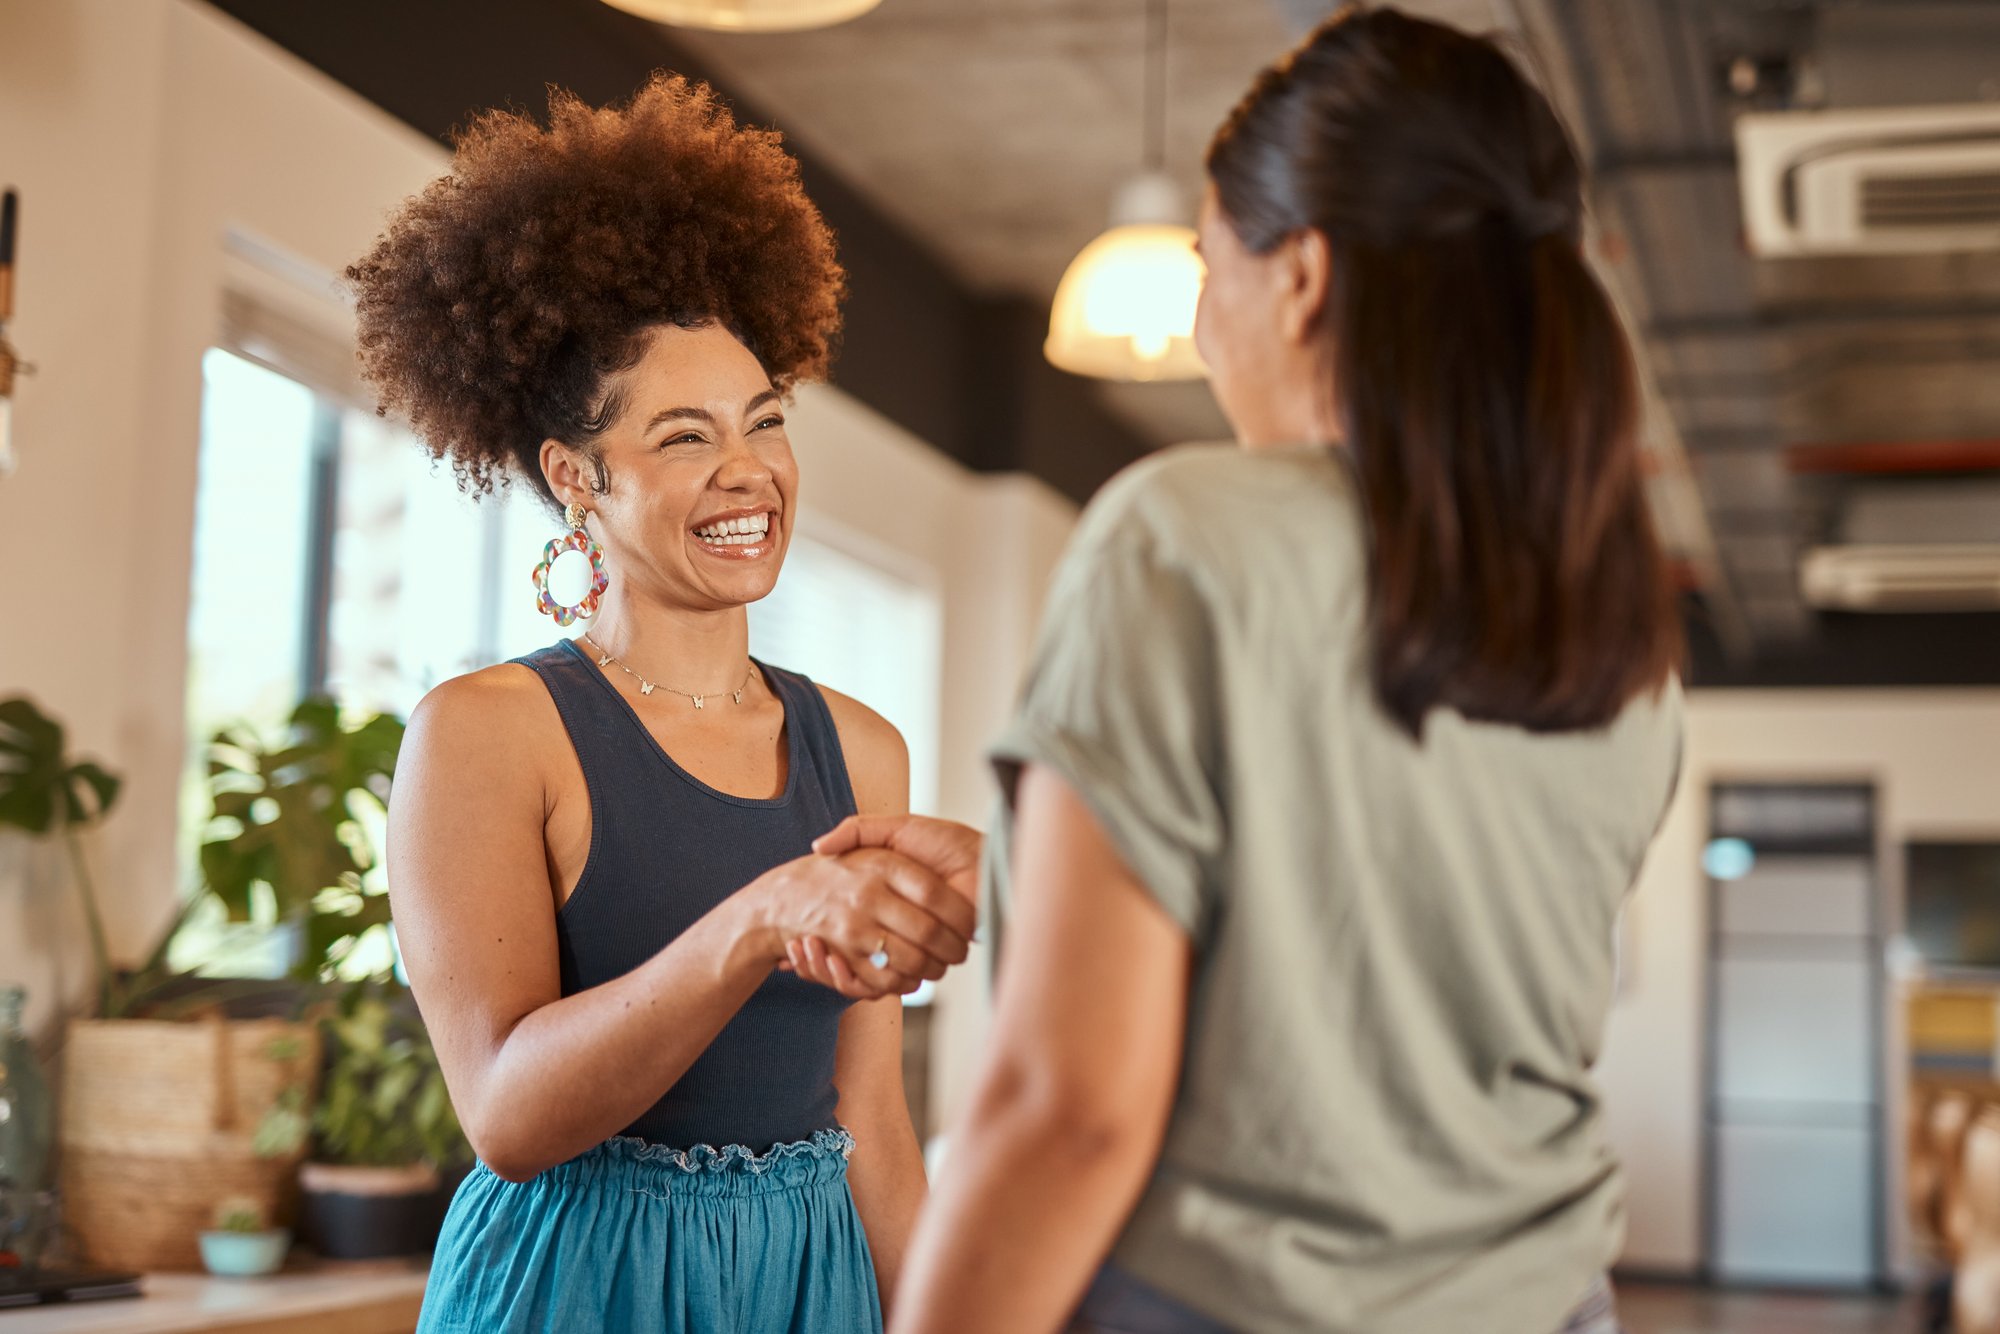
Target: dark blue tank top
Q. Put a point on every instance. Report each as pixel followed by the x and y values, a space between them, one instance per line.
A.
pixel 665 849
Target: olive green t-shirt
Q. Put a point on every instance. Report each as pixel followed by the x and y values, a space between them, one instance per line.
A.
pixel 1385 1119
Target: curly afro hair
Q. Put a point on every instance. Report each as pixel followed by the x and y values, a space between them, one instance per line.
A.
pixel 500 299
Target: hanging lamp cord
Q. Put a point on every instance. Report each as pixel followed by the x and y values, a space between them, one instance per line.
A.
pixel 1156 85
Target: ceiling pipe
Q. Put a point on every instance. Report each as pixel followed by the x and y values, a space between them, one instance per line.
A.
pixel 1888 458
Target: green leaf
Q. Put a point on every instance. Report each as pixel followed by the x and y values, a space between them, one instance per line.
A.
pixel 285 823
pixel 26 730
pixel 28 806
pixel 233 868
pixel 395 1087
pixel 40 786
pixel 90 792
pixel 282 1132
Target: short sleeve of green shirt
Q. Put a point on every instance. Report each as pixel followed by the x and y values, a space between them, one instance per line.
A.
pixel 1119 701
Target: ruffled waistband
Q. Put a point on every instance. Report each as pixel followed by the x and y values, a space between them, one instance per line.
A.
pixel 730 1157
pixel 703 1169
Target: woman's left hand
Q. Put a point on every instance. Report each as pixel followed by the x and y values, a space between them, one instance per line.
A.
pixel 809 957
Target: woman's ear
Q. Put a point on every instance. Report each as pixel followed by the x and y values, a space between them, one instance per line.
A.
pixel 1305 276
pixel 568 473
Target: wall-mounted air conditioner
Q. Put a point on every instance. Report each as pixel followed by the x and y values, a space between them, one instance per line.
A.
pixel 1891 180
pixel 1910 576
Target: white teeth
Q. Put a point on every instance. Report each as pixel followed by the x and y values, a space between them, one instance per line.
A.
pixel 736 532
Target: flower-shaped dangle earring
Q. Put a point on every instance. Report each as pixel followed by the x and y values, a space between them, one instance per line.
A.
pixel 576 540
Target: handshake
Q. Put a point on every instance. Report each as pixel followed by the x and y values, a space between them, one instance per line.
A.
pixel 883 904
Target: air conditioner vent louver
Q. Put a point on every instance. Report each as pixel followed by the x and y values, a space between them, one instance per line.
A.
pixel 1931 201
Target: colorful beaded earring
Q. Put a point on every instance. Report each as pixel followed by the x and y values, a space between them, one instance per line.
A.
pixel 577 540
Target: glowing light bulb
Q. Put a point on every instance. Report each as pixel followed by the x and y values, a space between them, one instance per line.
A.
pixel 747 15
pixel 1125 308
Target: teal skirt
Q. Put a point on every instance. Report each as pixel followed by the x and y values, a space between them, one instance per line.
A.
pixel 642 1237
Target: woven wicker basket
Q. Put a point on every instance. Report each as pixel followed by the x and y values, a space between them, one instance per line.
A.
pixel 157 1123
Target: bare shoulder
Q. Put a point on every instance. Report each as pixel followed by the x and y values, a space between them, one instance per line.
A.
pixel 498 713
pixel 864 733
pixel 878 759
pixel 468 809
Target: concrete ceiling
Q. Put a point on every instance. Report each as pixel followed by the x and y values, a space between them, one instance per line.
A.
pixel 1757 357
pixel 995 130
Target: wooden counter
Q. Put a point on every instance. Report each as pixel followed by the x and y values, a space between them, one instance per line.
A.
pixel 327 1298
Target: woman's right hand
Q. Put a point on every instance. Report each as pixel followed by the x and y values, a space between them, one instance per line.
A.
pixel 859 903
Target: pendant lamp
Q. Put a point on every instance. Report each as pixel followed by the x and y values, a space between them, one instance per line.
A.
pixel 1125 307
pixel 747 15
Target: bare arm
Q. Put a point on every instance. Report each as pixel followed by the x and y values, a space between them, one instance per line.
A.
pixel 1073 1099
pixel 538 1077
pixel 886 1173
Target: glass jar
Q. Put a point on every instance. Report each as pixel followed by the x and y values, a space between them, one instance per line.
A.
pixel 27 1123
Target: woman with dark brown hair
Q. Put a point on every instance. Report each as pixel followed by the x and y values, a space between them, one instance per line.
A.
pixel 1339 754
pixel 600 853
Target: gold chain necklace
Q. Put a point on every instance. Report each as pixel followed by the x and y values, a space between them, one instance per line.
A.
pixel 610 659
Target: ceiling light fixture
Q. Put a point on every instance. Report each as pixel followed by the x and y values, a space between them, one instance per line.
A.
pixel 1125 307
pixel 747 15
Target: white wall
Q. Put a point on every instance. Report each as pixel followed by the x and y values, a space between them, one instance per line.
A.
pixel 1934 757
pixel 141 134
pixel 138 132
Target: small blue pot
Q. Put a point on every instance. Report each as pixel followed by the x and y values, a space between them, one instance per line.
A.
pixel 245 1254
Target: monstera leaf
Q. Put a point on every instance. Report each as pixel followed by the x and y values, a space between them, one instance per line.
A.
pixel 286 819
pixel 41 788
pixel 43 791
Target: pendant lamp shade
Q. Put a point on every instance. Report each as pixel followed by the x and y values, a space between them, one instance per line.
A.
pixel 1125 307
pixel 748 15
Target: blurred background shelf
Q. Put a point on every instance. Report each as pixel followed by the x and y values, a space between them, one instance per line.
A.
pixel 357 1298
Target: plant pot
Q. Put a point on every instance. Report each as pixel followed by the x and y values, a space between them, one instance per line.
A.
pixel 156 1123
pixel 245 1254
pixel 367 1213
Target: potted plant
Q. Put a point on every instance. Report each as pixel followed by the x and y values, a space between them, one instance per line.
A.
pixel 294 820
pixel 159 1117
pixel 148 1109
pixel 243 1244
pixel 384 1130
pixel 290 839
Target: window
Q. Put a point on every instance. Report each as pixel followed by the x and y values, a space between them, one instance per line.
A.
pixel 331 554
pixel 858 628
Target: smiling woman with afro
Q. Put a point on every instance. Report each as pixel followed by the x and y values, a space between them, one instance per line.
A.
pixel 499 301
pixel 672 1033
